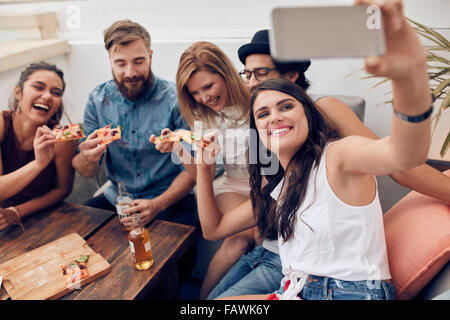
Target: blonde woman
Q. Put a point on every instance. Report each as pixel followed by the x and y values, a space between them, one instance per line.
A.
pixel 212 95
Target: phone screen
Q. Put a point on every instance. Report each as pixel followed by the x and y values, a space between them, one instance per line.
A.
pixel 300 33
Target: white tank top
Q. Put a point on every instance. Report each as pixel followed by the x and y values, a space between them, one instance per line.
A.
pixel 332 238
pixel 272 245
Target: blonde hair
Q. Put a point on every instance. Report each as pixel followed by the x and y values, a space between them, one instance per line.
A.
pixel 208 57
pixel 123 32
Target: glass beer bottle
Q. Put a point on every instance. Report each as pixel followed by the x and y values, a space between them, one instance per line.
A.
pixel 124 200
pixel 140 247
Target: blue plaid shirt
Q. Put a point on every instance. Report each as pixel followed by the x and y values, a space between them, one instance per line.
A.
pixel 134 159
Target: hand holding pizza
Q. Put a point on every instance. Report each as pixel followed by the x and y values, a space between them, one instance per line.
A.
pixel 167 145
pixel 91 150
pixel 208 154
pixel 44 146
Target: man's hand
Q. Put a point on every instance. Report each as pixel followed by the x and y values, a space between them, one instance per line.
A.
pixel 148 209
pixel 163 147
pixel 7 218
pixel 90 150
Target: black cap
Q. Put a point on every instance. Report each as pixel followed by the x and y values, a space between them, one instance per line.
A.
pixel 260 44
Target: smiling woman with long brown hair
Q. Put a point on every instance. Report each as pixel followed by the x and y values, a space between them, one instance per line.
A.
pixel 322 205
pixel 35 173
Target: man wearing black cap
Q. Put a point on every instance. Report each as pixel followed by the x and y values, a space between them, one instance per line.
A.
pixel 260 65
pixel 259 271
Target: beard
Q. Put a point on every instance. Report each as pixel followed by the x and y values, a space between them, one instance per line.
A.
pixel 136 92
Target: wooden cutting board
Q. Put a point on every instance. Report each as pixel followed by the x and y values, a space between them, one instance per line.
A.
pixel 37 274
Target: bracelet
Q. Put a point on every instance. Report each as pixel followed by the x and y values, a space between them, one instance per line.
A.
pixel 414 119
pixel 19 221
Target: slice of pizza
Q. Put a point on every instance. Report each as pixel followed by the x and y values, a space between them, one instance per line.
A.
pixel 106 135
pixel 191 138
pixel 76 270
pixel 68 132
pixel 186 135
pixel 171 137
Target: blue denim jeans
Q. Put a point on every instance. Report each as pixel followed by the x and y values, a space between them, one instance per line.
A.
pixel 257 272
pixel 324 288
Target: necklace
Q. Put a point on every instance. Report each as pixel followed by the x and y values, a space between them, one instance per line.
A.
pixel 230 122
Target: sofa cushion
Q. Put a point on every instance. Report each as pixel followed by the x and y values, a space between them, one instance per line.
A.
pixel 417 233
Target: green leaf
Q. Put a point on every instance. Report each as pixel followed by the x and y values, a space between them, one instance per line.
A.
pixel 423 34
pixel 83 258
pixel 441 87
pixel 445 145
pixel 431 32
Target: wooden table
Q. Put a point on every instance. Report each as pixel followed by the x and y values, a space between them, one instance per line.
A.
pixel 101 230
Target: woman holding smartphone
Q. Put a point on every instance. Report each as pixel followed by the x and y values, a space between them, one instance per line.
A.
pixel 322 205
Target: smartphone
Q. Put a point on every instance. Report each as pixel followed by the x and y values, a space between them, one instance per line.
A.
pixel 300 33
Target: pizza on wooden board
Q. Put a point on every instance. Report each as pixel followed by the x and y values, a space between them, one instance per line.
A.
pixel 76 270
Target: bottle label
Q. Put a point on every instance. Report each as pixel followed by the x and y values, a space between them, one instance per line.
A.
pixel 147 246
pixel 131 247
pixel 132 251
pixel 120 210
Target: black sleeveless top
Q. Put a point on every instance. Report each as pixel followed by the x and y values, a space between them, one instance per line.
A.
pixel 13 158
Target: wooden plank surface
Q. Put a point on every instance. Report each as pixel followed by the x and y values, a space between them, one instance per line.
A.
pixel 37 274
pixel 49 225
pixel 169 242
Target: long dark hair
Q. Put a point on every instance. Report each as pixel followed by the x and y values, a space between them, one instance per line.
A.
pixel 271 220
pixel 26 73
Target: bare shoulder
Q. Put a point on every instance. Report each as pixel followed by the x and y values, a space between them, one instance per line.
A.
pixel 342 118
pixel 331 105
pixel 341 150
pixel 329 101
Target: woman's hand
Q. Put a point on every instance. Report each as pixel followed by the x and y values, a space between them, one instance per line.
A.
pixel 405 56
pixel 44 146
pixel 7 218
pixel 205 157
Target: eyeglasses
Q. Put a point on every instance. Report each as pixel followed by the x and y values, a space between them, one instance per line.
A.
pixel 260 74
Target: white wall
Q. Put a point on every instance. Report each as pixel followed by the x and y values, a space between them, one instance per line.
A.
pixel 174 24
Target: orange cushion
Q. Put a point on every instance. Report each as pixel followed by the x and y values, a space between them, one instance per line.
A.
pixel 417 232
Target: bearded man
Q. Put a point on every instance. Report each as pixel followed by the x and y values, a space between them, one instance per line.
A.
pixel 142 104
